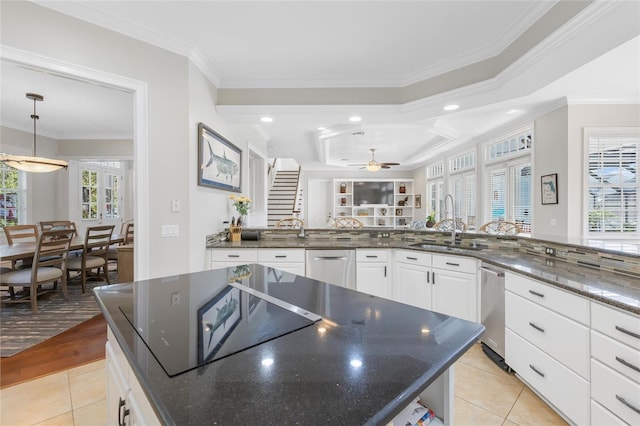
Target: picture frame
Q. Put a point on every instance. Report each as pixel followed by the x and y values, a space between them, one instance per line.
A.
pixel 549 188
pixel 398 212
pixel 418 202
pixel 219 161
pixel 216 321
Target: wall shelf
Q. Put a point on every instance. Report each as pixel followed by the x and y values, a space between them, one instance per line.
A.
pixel 398 215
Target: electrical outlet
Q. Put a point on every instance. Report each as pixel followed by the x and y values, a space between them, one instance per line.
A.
pixel 175 298
pixel 550 251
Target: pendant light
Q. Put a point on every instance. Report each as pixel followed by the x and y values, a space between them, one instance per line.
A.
pixel 33 164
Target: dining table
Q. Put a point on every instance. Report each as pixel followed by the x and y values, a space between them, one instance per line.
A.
pixel 17 251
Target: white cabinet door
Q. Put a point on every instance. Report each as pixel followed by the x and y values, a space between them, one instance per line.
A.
pixel 455 294
pixel 373 278
pixel 117 388
pixel 411 285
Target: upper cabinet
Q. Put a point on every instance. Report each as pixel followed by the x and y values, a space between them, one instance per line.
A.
pixel 385 203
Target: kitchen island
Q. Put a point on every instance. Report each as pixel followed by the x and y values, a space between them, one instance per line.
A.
pixel 255 344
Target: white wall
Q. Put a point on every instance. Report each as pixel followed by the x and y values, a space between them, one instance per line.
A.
pixel 550 156
pixel 209 207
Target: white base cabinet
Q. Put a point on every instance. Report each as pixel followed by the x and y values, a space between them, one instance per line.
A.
pixel 412 278
pixel 455 286
pixel 126 402
pixel 373 272
pixel 288 260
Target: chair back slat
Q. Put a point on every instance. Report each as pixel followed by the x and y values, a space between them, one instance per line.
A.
pixel 21 233
pixel 128 233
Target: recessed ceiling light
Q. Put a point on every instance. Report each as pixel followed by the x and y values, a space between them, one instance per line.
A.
pixel 513 111
pixel 267 119
pixel 451 107
pixel 355 118
pixel 322 128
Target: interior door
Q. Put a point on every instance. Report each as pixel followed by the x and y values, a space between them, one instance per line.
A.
pixel 101 196
pixel 318 202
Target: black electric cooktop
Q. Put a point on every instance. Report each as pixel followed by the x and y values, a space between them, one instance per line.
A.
pixel 189 321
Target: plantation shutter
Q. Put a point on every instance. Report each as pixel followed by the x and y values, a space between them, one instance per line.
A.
pixel 521 196
pixel 497 193
pixel 470 198
pixel 613 183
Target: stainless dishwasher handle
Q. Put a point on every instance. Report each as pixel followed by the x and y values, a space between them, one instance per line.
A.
pixel 491 271
pixel 330 258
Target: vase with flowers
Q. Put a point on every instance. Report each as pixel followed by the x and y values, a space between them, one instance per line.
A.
pixel 242 205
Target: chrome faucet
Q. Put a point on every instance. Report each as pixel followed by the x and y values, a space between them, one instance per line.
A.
pixel 453 217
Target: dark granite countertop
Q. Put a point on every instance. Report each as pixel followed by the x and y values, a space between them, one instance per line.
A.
pixel 619 290
pixel 361 364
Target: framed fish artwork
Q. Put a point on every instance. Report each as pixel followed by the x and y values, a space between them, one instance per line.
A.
pixel 219 161
pixel 549 188
pixel 216 321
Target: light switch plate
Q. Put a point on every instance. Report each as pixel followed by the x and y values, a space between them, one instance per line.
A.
pixel 169 231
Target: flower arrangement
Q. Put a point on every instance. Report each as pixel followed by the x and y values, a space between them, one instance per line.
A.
pixel 241 203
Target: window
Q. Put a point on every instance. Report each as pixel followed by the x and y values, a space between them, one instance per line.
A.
pixel 111 196
pixel 462 187
pixel 508 178
pixel 612 194
pixel 435 190
pixel 89 194
pixel 510 194
pixel 10 195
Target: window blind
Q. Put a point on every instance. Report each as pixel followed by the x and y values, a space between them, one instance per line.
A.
pixel 521 196
pixel 497 192
pixel 613 184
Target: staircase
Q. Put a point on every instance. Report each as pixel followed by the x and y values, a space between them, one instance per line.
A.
pixel 284 200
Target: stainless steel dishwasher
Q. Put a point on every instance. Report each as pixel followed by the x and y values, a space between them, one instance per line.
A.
pixel 492 313
pixel 332 266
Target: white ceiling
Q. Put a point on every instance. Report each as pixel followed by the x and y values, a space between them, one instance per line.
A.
pixel 387 45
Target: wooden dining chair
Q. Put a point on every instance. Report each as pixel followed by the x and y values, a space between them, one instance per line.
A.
pixel 48 266
pixel 126 232
pixel 95 254
pixel 21 234
pixel 58 224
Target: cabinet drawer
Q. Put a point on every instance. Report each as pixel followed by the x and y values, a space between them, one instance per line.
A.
pixel 280 255
pixel 116 354
pixel 372 255
pixel 563 339
pixel 234 255
pixel 568 304
pixel 455 263
pixel 614 354
pixel 413 257
pixel 600 416
pixel 568 392
pixel 621 326
pixel 616 392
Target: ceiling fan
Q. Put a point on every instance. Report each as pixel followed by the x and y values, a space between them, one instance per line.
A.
pixel 373 165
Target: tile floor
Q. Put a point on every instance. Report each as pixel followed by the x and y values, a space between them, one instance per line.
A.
pixel 484 395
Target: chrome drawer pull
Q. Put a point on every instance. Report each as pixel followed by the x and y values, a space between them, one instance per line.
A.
pixel 540 373
pixel 627 364
pixel 281 256
pixel 412 258
pixel 535 293
pixel 371 256
pixel 624 401
pixel 540 329
pixel 233 255
pixel 630 333
pixel 452 264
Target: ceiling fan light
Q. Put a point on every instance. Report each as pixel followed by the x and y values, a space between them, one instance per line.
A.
pixel 373 167
pixel 33 164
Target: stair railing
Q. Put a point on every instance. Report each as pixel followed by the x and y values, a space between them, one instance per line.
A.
pixel 297 204
pixel 272 172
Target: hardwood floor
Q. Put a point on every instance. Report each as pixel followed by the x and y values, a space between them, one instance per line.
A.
pixel 79 345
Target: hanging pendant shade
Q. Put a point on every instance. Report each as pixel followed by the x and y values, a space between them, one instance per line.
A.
pixel 33 164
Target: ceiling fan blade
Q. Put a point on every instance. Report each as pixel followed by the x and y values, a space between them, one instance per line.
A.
pixel 384 166
pixel 356 165
pixel 390 164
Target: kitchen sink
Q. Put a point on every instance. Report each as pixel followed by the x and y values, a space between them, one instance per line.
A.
pixel 431 246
